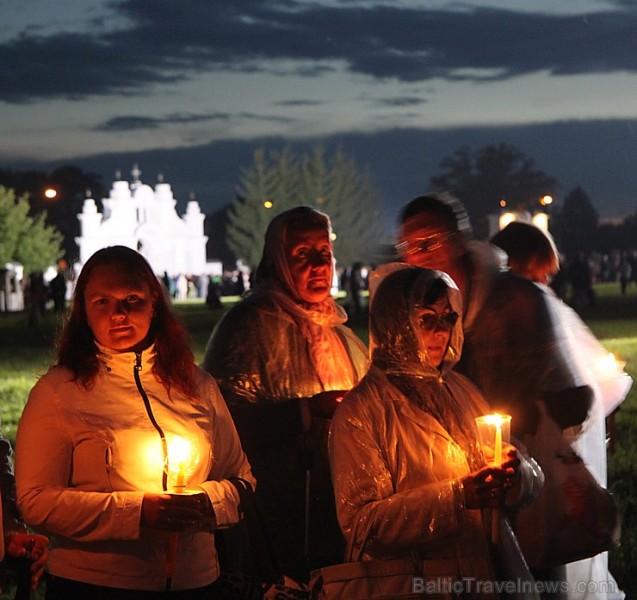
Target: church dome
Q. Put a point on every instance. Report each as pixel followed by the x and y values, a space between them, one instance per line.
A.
pixel 144 192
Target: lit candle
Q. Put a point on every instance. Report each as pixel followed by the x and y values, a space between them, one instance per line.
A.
pixel 181 461
pixel 493 430
pixel 498 441
pixel 612 362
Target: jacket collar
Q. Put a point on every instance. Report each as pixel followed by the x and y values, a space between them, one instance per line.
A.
pixel 124 362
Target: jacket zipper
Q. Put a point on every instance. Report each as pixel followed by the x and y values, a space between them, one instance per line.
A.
pixel 151 416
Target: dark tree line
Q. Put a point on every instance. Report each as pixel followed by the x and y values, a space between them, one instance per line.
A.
pixel 491 175
pixel 279 180
pixel 482 179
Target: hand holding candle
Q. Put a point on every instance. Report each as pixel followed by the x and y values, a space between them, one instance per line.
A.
pixel 181 461
pixel 178 509
pixel 493 431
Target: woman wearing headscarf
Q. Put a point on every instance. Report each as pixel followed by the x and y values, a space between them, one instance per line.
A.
pixel 287 339
pixel 282 357
pixel 409 474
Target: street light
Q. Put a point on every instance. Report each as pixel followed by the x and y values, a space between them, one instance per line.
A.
pixel 541 218
pixel 506 218
pixel 546 200
pixel 50 193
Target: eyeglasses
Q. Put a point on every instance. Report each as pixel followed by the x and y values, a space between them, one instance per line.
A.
pixel 431 243
pixel 435 322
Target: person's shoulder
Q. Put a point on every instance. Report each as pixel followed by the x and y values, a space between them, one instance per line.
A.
pixel 206 384
pixel 55 377
pixel 459 380
pixel 517 304
pixel 252 306
pixel 203 378
pixel 511 281
pixel 518 290
pixel 354 341
pixel 365 394
pixel 57 384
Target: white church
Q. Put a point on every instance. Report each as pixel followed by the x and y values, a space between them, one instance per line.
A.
pixel 145 219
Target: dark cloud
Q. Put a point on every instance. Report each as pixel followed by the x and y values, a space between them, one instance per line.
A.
pixel 401 101
pixel 133 122
pixel 168 41
pixel 74 66
pixel 128 124
pixel 299 103
pixel 268 118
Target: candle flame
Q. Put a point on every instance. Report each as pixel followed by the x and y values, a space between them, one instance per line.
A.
pixel 179 450
pixel 182 460
pixel 494 419
pixel 610 362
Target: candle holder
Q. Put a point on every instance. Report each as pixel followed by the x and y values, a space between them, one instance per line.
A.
pixel 181 462
pixel 494 430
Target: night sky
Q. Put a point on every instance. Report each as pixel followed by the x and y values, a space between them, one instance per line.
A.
pixel 190 88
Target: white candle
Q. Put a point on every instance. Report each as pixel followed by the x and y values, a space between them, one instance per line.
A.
pixel 494 429
pixel 498 441
pixel 494 432
pixel 180 482
pixel 179 457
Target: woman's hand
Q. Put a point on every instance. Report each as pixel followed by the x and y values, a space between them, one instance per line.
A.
pixel 31 546
pixel 487 487
pixel 484 488
pixel 177 512
pixel 511 466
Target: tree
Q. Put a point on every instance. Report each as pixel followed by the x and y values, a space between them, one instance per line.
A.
pixel 264 191
pixel 71 184
pixel 283 180
pixel 575 226
pixel 352 203
pixel 494 173
pixel 25 239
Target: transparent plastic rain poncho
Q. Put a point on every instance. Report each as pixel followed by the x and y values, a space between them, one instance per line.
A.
pixel 404 437
pixel 610 384
pixel 514 351
pixel 272 346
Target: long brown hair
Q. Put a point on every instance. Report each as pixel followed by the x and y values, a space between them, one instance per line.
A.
pixel 76 349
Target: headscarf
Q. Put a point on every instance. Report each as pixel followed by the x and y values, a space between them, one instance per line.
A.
pixel 395 349
pixel 392 337
pixel 315 320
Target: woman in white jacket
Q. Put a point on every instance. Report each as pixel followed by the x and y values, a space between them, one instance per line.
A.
pixel 94 465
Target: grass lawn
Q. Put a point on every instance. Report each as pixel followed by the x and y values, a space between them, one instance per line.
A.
pixel 26 352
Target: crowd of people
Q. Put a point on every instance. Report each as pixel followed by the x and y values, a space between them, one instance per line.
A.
pixel 355 454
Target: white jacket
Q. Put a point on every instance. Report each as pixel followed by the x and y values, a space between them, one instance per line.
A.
pixel 85 458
